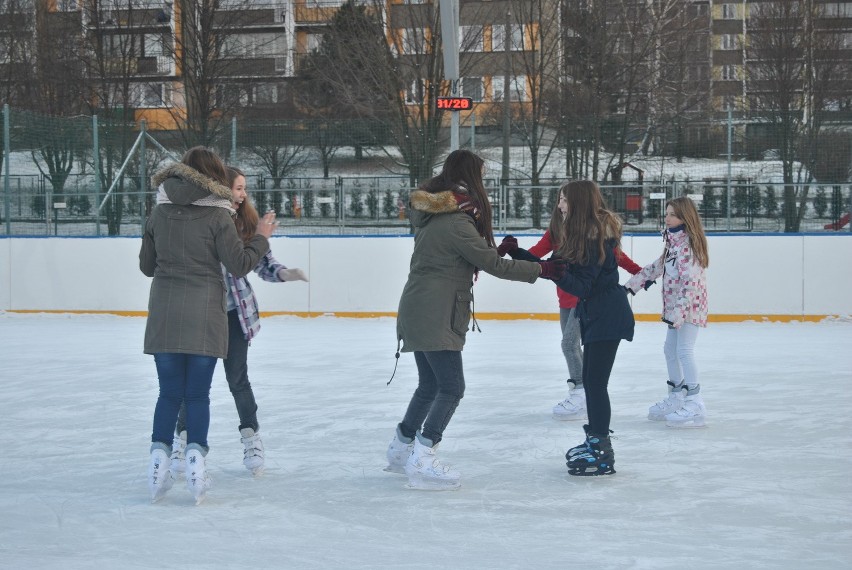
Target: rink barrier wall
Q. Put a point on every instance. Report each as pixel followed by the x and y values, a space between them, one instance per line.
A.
pixel 786 277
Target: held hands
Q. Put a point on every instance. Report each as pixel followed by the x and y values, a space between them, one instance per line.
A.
pixel 645 286
pixel 508 245
pixel 553 269
pixel 294 274
pixel 267 224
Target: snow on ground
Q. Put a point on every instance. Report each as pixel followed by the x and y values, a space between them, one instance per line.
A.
pixel 766 485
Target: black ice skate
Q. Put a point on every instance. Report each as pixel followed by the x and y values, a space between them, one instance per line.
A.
pixel 597 459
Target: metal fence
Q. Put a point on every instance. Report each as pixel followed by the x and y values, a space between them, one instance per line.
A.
pixel 379 205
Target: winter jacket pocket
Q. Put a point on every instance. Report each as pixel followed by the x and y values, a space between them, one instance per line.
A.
pixel 461 312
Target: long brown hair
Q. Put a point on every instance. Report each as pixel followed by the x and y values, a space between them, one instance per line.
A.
pixel 464 168
pixel 247 217
pixel 556 223
pixel 685 210
pixel 207 163
pixel 587 225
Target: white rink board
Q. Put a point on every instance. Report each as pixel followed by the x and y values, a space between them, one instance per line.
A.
pixel 749 275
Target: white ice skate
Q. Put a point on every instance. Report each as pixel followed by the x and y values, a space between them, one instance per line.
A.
pixel 178 461
pixel 426 473
pixel 672 403
pixel 398 452
pixel 160 478
pixel 690 415
pixel 197 479
pixel 252 451
pixel 573 407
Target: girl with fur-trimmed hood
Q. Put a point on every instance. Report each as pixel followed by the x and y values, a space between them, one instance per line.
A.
pixel 188 237
pixel 453 240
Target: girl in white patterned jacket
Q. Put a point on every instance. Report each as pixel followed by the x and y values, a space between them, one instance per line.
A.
pixel 682 266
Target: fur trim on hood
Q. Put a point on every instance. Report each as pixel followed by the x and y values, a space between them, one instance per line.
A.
pixel 188 174
pixel 437 203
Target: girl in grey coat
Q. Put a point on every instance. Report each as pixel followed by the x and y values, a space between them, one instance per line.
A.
pixel 453 240
pixel 189 234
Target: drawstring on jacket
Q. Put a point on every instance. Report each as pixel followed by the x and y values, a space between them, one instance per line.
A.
pixel 474 327
pixel 395 363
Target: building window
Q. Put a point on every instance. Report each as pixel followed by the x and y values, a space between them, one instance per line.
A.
pixel 472 87
pixel 517 88
pixel 729 12
pixel 838 9
pixel 416 92
pixel 498 38
pixel 730 41
pixel 412 40
pixel 471 38
pixel 148 95
pixel 265 94
pixel 730 73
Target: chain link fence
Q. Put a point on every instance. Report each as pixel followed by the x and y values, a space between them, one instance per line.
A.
pixel 88 176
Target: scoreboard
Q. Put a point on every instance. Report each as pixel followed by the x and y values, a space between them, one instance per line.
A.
pixel 454 103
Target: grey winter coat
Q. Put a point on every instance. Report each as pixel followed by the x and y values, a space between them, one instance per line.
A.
pixel 182 248
pixel 435 307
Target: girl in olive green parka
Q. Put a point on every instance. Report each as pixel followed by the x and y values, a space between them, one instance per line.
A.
pixel 453 240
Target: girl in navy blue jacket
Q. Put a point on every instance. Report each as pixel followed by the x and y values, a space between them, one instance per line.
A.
pixel 590 240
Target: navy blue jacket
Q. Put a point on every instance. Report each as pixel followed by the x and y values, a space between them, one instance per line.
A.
pixel 603 309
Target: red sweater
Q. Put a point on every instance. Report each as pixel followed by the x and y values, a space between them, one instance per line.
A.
pixel 567 300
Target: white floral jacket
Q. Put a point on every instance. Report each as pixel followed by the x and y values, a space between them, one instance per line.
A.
pixel 684 282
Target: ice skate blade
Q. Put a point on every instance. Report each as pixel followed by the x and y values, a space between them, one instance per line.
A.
pixel 692 424
pixel 583 472
pixel 655 418
pixel 200 499
pixel 395 469
pixel 430 486
pixel 570 417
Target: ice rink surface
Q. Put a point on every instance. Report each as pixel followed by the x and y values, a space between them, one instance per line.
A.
pixel 768 484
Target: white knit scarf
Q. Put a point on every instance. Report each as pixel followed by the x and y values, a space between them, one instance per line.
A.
pixel 209 200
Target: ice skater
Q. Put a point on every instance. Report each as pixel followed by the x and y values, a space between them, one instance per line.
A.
pixel 682 264
pixel 187 239
pixel 243 326
pixel 574 406
pixel 590 239
pixel 453 240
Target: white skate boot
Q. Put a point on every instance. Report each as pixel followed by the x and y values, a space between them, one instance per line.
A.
pixel 160 478
pixel 197 479
pixel 252 451
pixel 672 403
pixel 398 452
pixel 424 470
pixel 178 460
pixel 573 407
pixel 691 414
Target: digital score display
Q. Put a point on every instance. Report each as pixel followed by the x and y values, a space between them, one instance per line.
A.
pixel 454 103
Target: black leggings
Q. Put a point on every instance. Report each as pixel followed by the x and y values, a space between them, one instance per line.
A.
pixel 598 358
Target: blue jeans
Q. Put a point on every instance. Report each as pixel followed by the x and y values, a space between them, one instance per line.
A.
pixel 236 373
pixel 440 388
pixel 183 378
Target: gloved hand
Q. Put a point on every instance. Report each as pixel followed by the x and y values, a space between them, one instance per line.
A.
pixel 647 285
pixel 508 245
pixel 629 290
pixel 294 274
pixel 553 269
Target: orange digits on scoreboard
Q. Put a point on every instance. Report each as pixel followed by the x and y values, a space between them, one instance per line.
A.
pixel 454 103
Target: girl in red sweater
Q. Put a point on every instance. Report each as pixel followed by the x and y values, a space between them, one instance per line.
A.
pixel 574 406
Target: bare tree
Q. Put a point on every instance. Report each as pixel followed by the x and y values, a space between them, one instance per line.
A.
pixel 791 72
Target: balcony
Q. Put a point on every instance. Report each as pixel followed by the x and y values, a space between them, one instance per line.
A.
pixel 156 65
pixel 254 15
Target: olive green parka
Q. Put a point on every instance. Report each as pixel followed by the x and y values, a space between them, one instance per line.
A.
pixel 435 307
